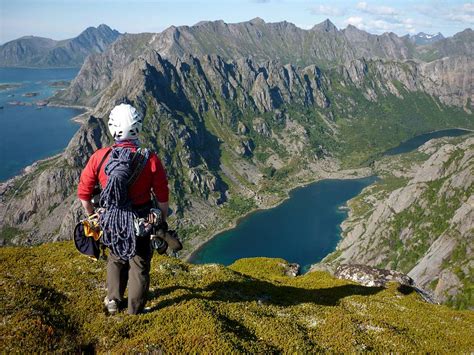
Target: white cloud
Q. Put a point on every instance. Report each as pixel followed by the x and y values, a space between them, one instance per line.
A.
pixel 464 13
pixel 461 14
pixel 379 19
pixel 327 10
pixel 356 21
pixel 376 10
pixel 469 8
pixel 380 25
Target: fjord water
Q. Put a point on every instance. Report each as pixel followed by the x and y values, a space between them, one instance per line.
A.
pixel 30 133
pixel 421 139
pixel 303 229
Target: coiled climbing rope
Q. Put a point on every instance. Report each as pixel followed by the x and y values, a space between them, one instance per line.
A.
pixel 117 222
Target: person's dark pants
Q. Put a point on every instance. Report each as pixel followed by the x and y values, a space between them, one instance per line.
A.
pixel 136 271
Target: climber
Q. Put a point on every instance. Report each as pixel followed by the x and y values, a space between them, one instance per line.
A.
pixel 126 193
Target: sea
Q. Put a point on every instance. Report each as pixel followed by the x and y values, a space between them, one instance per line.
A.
pixel 30 132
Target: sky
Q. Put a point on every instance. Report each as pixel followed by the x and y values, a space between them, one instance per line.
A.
pixel 61 19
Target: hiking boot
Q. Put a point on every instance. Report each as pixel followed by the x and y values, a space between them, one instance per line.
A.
pixel 111 306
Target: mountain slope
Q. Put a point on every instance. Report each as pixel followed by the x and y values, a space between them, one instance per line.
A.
pixel 418 220
pixel 52 301
pixel 237 135
pixel 37 52
pixel 239 130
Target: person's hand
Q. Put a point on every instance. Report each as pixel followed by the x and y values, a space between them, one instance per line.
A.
pixel 152 218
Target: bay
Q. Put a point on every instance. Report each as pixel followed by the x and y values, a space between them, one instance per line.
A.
pixel 30 132
pixel 306 227
pixel 303 229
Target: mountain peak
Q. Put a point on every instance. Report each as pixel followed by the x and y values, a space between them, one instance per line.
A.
pixel 103 26
pixel 257 21
pixel 426 38
pixel 325 26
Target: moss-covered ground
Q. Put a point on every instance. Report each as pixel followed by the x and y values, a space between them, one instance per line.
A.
pixel 51 300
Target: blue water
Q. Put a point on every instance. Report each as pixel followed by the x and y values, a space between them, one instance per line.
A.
pixel 418 141
pixel 30 133
pixel 303 229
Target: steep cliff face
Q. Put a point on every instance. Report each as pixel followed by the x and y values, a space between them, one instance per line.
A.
pixel 419 219
pixel 40 52
pixel 461 44
pixel 232 133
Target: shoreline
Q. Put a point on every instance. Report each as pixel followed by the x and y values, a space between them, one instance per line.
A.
pixel 78 118
pixel 347 174
pixel 4 185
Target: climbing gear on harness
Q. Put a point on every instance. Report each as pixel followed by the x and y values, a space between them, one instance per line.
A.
pixel 117 222
pixel 125 122
pixel 162 238
pixel 86 237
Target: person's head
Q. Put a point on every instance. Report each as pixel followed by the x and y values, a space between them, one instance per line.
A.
pixel 125 122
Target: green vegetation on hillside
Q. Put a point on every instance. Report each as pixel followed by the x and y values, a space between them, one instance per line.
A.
pixel 369 128
pixel 52 301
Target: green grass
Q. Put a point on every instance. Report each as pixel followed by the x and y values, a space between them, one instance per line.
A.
pixel 52 301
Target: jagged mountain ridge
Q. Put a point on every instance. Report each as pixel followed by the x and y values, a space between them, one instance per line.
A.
pixel 419 220
pixel 223 129
pixel 38 52
pixel 323 45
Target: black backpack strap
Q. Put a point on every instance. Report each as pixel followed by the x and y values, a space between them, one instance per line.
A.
pixel 138 164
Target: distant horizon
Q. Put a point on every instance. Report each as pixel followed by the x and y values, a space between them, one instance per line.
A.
pixel 64 19
pixel 306 29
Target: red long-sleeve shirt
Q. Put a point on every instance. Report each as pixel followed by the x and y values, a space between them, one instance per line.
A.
pixel 153 177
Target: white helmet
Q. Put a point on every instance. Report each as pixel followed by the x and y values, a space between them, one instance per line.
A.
pixel 125 122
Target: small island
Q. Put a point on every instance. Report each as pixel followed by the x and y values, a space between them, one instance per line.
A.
pixel 59 84
pixel 20 103
pixel 42 103
pixel 30 94
pixel 9 86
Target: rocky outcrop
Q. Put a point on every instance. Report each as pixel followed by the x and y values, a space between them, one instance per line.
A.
pixel 370 276
pixel 373 277
pixel 40 52
pixel 421 223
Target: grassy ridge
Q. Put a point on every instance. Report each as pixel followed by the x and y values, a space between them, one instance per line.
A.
pixel 51 301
